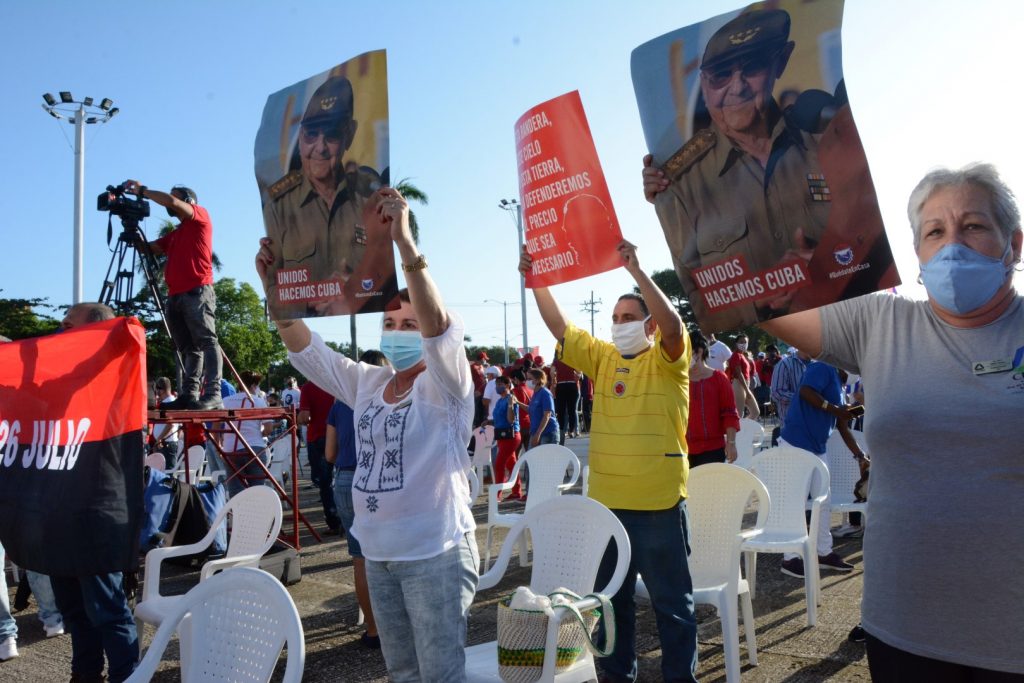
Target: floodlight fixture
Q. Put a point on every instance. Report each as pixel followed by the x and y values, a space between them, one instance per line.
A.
pixel 79 114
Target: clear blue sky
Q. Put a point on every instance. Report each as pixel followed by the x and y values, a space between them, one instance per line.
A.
pixel 930 83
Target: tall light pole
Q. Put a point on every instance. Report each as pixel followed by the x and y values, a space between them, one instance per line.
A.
pixel 513 205
pixel 79 113
pixel 504 307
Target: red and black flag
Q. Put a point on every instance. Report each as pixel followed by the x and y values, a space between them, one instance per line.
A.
pixel 72 413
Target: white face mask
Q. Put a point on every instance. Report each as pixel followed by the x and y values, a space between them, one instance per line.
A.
pixel 741 347
pixel 530 384
pixel 631 338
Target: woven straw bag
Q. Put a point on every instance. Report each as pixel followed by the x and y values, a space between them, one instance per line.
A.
pixel 521 636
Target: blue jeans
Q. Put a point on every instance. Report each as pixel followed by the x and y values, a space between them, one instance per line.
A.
pixel 660 544
pixel 97 616
pixel 320 473
pixel 43 591
pixel 8 627
pixel 346 510
pixel 547 438
pixel 421 607
pixel 243 462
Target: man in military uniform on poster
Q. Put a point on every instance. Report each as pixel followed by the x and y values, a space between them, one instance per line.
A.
pixel 313 214
pixel 749 185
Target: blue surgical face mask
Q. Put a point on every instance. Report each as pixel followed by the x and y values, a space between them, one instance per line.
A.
pixel 402 349
pixel 962 280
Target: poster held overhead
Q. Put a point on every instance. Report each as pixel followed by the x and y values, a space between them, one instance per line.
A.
pixel 770 207
pixel 571 230
pixel 321 153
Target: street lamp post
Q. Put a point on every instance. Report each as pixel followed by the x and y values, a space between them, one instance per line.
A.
pixel 79 113
pixel 504 308
pixel 511 205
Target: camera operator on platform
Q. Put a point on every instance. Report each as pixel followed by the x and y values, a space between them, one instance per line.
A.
pixel 191 301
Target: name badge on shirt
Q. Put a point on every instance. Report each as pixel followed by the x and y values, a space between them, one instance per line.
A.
pixel 991 367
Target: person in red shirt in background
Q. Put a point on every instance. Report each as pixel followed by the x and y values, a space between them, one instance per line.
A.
pixel 191 301
pixel 739 369
pixel 476 372
pixel 567 395
pixel 523 395
pixel 711 431
pixel 314 407
pixel 586 402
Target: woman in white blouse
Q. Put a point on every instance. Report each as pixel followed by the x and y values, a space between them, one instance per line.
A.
pixel 411 495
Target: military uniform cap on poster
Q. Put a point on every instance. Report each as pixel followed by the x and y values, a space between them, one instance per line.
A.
pixel 770 207
pixel 317 175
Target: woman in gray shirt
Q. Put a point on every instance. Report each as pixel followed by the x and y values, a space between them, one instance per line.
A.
pixel 943 586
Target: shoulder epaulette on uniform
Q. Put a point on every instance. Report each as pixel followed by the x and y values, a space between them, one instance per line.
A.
pixel 290 181
pixel 690 153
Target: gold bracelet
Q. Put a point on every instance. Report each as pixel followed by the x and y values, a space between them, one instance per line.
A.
pixel 419 264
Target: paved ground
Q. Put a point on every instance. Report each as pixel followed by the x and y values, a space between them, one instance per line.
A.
pixel 788 651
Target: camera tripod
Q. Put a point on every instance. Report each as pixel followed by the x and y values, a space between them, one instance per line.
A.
pixel 117 293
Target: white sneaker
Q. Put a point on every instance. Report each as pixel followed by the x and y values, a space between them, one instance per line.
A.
pixel 8 649
pixel 54 631
pixel 848 531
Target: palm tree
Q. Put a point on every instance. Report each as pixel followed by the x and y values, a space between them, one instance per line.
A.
pixel 412 194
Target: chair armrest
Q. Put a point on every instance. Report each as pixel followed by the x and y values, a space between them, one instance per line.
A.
pixel 151 576
pixel 493 576
pixel 214 566
pixel 749 534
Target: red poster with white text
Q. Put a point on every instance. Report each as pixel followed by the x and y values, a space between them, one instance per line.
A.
pixel 570 225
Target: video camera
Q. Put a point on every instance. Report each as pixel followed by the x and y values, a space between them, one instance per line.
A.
pixel 115 201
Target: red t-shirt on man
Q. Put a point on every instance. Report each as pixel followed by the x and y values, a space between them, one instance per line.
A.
pixel 189 249
pixel 318 402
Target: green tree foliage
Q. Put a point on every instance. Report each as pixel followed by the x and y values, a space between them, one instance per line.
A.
pixel 246 336
pixel 495 353
pixel 412 194
pixel 21 319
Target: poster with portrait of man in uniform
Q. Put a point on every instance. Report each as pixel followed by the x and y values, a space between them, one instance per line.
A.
pixel 766 202
pixel 321 154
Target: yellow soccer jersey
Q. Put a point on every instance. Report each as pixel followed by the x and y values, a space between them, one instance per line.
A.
pixel 638 424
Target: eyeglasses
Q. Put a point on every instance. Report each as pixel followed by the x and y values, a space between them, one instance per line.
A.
pixel 332 136
pixel 755 67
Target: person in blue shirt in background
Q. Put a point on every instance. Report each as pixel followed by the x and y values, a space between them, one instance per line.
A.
pixel 810 421
pixel 543 423
pixel 340 449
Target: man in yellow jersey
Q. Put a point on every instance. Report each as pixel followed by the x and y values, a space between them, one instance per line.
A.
pixel 637 463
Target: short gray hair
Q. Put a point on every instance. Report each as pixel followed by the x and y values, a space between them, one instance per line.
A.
pixel 984 176
pixel 94 312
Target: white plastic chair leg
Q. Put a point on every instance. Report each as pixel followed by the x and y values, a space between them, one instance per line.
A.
pixel 487 555
pixel 524 552
pixel 810 558
pixel 730 639
pixel 750 561
pixel 748 628
pixel 360 618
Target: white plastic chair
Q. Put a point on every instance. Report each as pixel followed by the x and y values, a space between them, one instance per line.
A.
pixel 788 474
pixel 844 472
pixel 196 463
pixel 750 436
pixel 570 535
pixel 483 441
pixel 281 460
pixel 718 495
pixel 156 461
pixel 256 517
pixel 474 485
pixel 547 465
pixel 239 621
